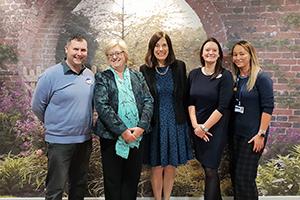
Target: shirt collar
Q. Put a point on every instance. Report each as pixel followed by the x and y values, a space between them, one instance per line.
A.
pixel 68 70
pixel 125 72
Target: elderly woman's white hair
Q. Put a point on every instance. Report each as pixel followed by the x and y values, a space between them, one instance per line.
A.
pixel 117 42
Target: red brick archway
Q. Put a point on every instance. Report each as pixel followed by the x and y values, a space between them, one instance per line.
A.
pixel 210 18
pixel 32 28
pixel 38 36
pixel 37 25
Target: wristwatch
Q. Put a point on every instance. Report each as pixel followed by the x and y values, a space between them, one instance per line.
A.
pixel 262 133
pixel 203 128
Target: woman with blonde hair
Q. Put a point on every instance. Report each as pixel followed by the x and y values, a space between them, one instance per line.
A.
pixel 124 106
pixel 252 112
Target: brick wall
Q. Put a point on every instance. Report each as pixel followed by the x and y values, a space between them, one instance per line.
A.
pixel 273 26
pixel 32 28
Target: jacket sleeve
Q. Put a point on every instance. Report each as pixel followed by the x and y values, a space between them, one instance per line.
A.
pixel 184 86
pixel 106 113
pixel 41 97
pixel 147 112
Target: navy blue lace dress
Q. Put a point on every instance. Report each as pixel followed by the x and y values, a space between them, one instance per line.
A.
pixel 170 143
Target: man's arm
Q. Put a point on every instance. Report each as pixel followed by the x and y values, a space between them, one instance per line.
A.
pixel 41 97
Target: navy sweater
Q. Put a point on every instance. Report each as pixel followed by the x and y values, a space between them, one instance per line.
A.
pixel 260 99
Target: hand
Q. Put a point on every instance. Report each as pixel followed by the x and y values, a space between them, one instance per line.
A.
pixel 137 131
pixel 128 136
pixel 202 134
pixel 258 143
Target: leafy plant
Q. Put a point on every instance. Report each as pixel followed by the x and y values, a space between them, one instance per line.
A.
pixel 9 141
pixel 280 144
pixel 22 174
pixel 19 126
pixel 281 176
pixel 189 180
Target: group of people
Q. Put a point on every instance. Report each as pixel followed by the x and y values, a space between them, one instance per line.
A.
pixel 157 116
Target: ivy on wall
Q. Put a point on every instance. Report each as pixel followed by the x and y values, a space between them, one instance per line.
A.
pixel 7 53
pixel 292 20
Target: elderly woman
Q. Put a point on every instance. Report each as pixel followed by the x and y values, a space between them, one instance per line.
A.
pixel 124 106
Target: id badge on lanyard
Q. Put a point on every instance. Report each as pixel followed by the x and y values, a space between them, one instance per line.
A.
pixel 238 108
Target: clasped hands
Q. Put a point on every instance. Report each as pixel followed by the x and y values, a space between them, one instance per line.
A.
pixel 201 133
pixel 132 134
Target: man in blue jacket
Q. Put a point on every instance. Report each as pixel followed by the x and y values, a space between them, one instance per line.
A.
pixel 63 102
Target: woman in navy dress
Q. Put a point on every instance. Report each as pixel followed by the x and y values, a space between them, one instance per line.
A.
pixel 252 113
pixel 210 93
pixel 169 144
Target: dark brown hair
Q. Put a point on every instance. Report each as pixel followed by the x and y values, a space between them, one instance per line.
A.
pixel 77 37
pixel 150 59
pixel 218 68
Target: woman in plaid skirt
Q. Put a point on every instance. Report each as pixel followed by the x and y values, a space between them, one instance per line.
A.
pixel 253 107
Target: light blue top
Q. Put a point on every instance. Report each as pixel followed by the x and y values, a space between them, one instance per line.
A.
pixel 127 111
pixel 63 102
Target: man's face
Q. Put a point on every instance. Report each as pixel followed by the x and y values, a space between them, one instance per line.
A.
pixel 76 52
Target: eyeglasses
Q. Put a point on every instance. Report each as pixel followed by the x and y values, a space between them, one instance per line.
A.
pixel 117 54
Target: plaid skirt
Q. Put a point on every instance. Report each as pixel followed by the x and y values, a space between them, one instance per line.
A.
pixel 244 165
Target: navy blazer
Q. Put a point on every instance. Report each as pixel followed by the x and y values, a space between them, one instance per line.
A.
pixel 180 90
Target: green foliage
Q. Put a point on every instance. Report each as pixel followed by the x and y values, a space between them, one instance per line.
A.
pixel 95 176
pixel 267 43
pixel 9 142
pixel 7 53
pixel 292 20
pixel 294 47
pixel 22 174
pixel 189 180
pixel 19 129
pixel 281 176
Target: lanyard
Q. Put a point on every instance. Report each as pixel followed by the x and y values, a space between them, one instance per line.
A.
pixel 240 90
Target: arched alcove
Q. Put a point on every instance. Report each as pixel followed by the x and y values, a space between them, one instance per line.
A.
pixel 44 20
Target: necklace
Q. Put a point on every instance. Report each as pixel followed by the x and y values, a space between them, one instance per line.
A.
pixel 206 73
pixel 162 73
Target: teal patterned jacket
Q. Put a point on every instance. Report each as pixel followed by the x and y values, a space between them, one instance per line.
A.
pixel 109 125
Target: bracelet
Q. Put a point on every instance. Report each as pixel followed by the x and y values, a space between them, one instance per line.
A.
pixel 203 128
pixel 262 133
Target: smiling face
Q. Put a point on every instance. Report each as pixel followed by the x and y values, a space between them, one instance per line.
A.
pixel 116 58
pixel 161 51
pixel 210 52
pixel 241 58
pixel 76 53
